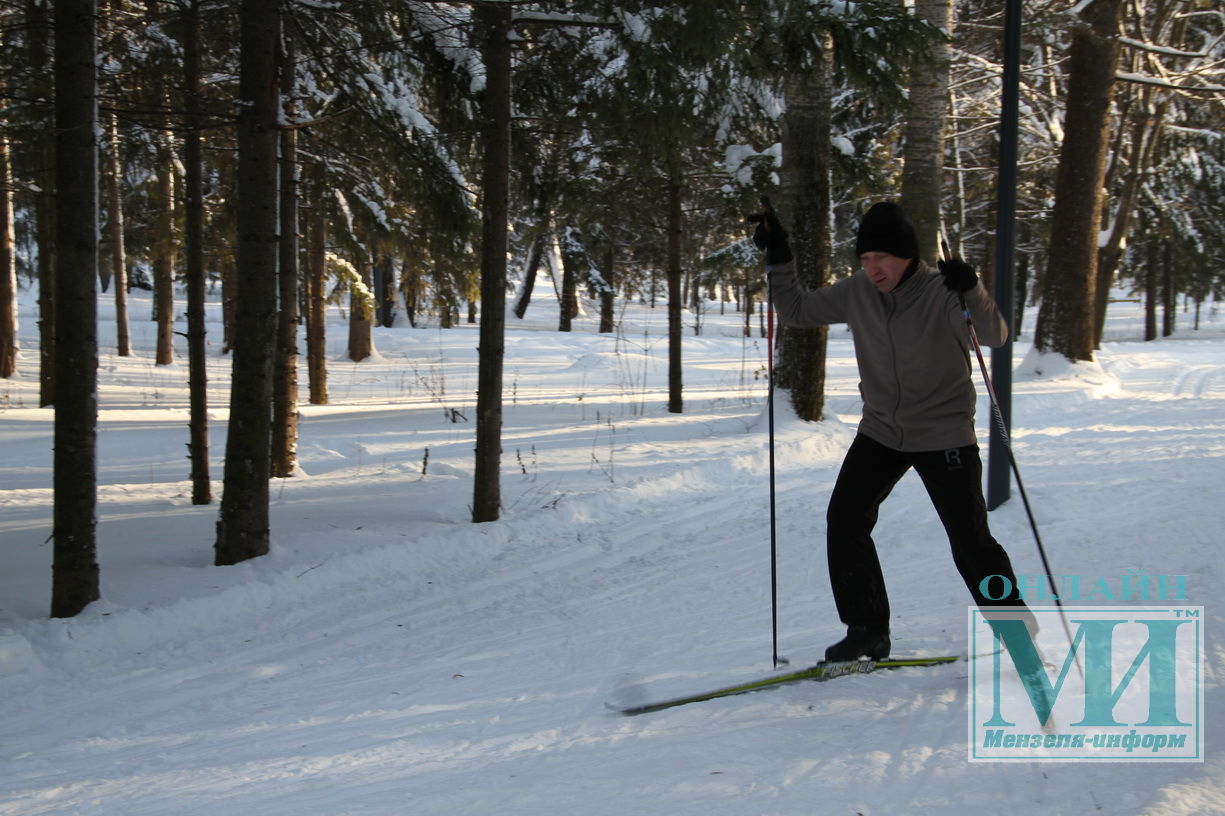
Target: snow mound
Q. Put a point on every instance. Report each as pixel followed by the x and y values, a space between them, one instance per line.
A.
pixel 1089 376
pixel 443 469
pixel 16 654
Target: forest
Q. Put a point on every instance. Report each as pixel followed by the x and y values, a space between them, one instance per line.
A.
pixel 419 161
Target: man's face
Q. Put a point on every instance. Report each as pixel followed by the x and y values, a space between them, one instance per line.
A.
pixel 884 270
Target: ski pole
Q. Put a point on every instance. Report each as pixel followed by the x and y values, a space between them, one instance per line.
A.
pixel 998 415
pixel 765 202
pixel 773 514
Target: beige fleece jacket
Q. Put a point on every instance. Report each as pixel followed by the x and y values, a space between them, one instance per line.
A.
pixel 912 347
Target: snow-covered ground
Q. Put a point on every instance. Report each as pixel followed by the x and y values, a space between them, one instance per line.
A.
pixel 391 657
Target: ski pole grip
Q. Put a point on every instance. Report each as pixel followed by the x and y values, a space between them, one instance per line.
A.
pixel 767 210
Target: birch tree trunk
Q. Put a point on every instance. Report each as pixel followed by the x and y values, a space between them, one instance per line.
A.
pixel 806 206
pixel 285 373
pixel 115 239
pixel 923 172
pixel 8 267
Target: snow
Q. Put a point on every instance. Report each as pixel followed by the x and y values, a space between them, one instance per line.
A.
pixel 391 657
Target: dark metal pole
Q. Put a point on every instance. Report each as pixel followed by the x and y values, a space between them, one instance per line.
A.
pixel 767 213
pixel 1005 251
pixel 773 510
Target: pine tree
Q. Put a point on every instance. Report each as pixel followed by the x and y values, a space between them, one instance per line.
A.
pixel 494 23
pixel 1066 320
pixel 243 528
pixel 193 251
pixel 75 569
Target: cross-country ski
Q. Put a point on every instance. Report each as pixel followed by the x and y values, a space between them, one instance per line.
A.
pixel 464 407
pixel 820 672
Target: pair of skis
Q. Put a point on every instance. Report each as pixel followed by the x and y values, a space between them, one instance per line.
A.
pixel 820 672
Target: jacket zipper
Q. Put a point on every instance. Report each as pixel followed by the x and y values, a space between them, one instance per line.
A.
pixel 897 379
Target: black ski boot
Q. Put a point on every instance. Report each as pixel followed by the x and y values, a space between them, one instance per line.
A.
pixel 860 641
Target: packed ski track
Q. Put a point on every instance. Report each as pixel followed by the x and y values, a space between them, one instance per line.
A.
pixel 390 657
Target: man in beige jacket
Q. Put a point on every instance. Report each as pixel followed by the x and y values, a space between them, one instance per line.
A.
pixel 912 348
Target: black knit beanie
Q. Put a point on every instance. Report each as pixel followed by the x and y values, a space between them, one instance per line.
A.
pixel 885 228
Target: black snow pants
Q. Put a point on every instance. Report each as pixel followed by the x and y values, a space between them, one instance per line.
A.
pixel 953 479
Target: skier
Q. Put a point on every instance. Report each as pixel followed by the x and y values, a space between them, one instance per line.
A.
pixel 912 349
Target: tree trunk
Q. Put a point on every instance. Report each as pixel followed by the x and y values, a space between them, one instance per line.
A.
pixel 45 232
pixel 608 290
pixel 385 292
pixel 164 251
pixel 806 203
pixel 1066 318
pixel 285 374
pixel 8 267
pixel 535 253
pixel 75 569
pixel 114 262
pixel 242 530
pixel 495 28
pixel 1022 292
pixel 229 303
pixel 193 250
pixel 923 172
pixel 361 317
pixel 1144 136
pixel 751 282
pixel 529 275
pixel 410 289
pixel 1168 295
pixel 38 22
pixel 572 259
pixel 316 292
pixel 115 240
pixel 676 228
pixel 1152 261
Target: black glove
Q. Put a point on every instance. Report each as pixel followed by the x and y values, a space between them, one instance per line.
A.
pixel 958 275
pixel 770 236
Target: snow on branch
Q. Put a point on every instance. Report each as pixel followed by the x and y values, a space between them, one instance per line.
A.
pixel 1160 49
pixel 1143 79
pixel 560 19
pixel 1205 133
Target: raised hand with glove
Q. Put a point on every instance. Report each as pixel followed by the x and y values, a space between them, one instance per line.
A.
pixel 959 276
pixel 770 236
